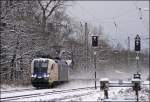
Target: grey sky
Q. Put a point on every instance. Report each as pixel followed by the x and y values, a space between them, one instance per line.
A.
pixel 124 14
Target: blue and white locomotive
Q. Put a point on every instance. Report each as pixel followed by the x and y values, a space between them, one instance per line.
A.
pixel 47 72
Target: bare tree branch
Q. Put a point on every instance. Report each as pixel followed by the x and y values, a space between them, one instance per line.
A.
pixel 48 4
pixel 53 8
pixel 39 1
pixel 8 9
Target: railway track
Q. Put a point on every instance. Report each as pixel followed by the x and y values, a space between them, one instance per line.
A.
pixel 16 90
pixel 15 98
pixel 74 97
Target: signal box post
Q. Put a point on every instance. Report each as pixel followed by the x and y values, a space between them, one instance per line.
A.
pixel 104 85
pixel 136 81
pixel 95 44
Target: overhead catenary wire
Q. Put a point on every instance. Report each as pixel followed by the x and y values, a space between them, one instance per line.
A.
pixel 116 18
pixel 105 20
pixel 112 20
pixel 109 20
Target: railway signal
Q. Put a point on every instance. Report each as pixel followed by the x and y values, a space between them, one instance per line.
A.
pixel 94 41
pixel 137 77
pixel 137 49
pixel 95 44
pixel 137 43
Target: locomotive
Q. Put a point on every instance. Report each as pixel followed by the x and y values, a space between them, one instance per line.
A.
pixel 46 72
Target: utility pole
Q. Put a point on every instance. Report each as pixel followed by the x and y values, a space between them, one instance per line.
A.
pixel 137 62
pixel 128 51
pixel 95 68
pixel 72 55
pixel 86 44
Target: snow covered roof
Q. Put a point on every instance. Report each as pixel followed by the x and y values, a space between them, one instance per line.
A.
pixel 104 79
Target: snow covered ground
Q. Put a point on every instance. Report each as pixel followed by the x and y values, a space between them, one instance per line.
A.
pixel 14 87
pixel 122 93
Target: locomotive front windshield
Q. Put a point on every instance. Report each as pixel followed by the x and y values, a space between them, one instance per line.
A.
pixel 40 66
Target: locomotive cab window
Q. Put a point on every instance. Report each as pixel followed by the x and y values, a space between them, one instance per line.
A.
pixel 40 66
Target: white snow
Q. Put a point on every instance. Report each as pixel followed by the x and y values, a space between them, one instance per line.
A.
pixel 104 79
pixel 119 93
pixel 59 96
pixel 117 71
pixel 14 87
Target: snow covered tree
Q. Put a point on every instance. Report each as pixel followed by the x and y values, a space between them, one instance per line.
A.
pixel 22 35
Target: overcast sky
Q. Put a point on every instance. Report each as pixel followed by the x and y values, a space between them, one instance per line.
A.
pixel 119 19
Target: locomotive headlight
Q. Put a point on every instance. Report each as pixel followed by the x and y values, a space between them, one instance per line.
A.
pixel 34 75
pixel 45 75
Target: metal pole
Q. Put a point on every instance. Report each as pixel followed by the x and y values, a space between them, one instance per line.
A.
pixel 86 44
pixel 95 68
pixel 137 62
pixel 137 94
pixel 128 51
pixel 106 93
pixel 72 55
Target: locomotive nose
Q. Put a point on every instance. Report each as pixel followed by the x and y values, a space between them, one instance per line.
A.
pixel 40 75
pixel 39 81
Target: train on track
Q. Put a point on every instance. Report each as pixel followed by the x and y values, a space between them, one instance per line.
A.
pixel 46 72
